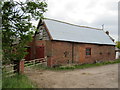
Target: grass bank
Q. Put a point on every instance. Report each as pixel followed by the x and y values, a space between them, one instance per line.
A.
pixel 72 67
pixel 17 81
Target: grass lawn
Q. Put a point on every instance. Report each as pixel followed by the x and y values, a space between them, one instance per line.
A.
pixel 72 67
pixel 17 81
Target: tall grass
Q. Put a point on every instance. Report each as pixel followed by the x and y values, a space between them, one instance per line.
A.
pixel 17 81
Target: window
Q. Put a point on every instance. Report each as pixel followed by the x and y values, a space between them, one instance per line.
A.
pixel 88 51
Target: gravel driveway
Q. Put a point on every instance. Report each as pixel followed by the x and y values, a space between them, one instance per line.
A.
pixel 96 77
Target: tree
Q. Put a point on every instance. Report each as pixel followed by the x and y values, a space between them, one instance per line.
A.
pixel 118 44
pixel 17 29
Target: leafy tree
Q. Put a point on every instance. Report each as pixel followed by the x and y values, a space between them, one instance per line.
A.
pixel 118 44
pixel 17 28
pixel 0 33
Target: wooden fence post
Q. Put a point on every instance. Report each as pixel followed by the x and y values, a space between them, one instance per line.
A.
pixel 21 66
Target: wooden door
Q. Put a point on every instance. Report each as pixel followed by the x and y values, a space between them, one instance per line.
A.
pixel 39 52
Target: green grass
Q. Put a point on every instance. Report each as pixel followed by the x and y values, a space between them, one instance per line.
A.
pixel 72 67
pixel 17 81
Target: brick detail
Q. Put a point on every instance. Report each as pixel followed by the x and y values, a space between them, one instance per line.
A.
pixel 98 53
pixel 61 53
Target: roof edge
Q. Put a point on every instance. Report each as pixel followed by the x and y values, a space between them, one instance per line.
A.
pixel 72 24
pixel 85 42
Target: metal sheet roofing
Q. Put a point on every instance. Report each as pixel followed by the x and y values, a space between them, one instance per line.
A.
pixel 68 32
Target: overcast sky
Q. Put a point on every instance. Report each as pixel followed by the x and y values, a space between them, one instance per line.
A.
pixel 93 13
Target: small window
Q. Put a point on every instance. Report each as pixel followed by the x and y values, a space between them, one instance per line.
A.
pixel 88 51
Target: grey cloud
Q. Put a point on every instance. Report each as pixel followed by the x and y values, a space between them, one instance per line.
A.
pixel 113 6
pixel 106 19
pixel 70 6
pixel 92 4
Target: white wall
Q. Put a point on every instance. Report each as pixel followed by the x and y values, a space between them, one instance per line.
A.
pixel 117 55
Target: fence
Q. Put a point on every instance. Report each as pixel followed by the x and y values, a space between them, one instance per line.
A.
pixel 18 67
pixel 9 70
pixel 34 62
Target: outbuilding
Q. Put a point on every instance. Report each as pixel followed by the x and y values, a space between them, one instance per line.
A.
pixel 64 43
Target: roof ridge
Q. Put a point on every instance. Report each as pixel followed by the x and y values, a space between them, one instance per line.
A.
pixel 72 24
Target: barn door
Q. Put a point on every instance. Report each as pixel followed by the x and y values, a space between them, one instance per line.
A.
pixel 39 52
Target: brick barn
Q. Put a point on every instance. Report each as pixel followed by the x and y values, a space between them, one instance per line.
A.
pixel 64 43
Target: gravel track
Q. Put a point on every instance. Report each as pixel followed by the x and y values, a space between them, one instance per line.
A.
pixel 95 77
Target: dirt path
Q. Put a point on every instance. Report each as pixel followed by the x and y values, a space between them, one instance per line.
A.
pixel 96 77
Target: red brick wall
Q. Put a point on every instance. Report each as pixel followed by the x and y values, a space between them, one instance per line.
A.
pixel 98 53
pixel 61 53
pixel 79 56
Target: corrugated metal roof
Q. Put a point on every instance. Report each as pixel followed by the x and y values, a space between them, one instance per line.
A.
pixel 68 32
